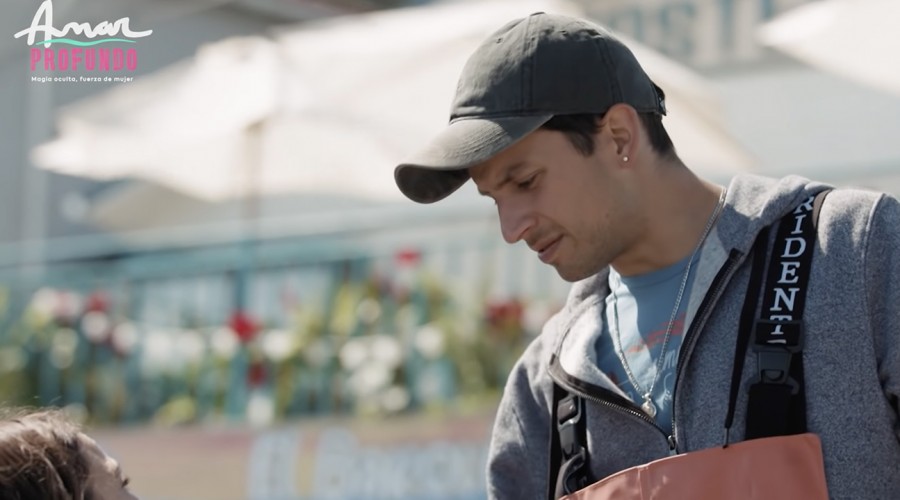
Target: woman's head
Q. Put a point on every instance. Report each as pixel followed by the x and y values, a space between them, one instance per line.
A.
pixel 45 456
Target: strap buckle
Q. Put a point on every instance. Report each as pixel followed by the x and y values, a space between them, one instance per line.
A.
pixel 571 475
pixel 774 364
pixel 569 413
pixel 777 342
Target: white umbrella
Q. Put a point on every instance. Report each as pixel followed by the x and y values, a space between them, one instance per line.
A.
pixel 378 74
pixel 857 39
pixel 329 106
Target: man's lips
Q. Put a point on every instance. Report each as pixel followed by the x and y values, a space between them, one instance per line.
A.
pixel 546 250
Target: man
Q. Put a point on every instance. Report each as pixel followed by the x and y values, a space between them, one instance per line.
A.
pixel 556 121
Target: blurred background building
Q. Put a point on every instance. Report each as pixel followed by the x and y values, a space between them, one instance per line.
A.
pixel 205 258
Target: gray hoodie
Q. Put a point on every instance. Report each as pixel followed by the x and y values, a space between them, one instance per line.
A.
pixel 851 354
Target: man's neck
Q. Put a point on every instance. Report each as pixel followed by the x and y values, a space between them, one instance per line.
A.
pixel 678 208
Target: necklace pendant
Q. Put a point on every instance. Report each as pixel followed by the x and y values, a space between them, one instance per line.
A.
pixel 649 408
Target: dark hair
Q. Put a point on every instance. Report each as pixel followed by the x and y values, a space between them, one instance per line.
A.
pixel 580 129
pixel 41 459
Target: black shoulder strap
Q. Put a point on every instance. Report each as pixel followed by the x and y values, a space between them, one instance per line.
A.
pixel 554 445
pixel 777 404
pixel 568 451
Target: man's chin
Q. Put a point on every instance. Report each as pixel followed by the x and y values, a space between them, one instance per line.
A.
pixel 571 275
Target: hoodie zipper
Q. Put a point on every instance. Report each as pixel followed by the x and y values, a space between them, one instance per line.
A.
pixel 735 258
pixel 609 399
pixel 602 396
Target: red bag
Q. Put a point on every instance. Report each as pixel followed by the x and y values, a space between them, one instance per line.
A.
pixel 775 468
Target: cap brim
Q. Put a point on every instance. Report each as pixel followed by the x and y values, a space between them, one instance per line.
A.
pixel 442 167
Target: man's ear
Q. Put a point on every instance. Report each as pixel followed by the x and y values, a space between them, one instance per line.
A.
pixel 624 127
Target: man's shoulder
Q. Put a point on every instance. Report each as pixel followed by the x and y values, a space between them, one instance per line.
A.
pixel 857 198
pixel 759 201
pixel 757 193
pixel 853 209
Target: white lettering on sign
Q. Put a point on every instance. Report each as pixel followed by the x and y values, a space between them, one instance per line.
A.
pixel 437 469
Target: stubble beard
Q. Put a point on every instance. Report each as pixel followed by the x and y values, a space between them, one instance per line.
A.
pixel 594 253
pixel 594 259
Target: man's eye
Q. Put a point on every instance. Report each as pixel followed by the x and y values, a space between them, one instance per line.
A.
pixel 527 183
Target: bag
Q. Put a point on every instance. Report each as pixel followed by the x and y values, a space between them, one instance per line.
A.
pixel 775 468
pixel 779 460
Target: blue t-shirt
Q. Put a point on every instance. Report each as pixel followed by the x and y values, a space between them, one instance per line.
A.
pixel 644 304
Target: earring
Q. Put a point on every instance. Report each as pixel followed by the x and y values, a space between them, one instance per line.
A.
pixel 625 159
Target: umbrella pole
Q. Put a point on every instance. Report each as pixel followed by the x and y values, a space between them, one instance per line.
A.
pixel 237 396
pixel 249 215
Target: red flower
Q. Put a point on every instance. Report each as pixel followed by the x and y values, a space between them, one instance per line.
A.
pixel 407 257
pixel 256 374
pixel 506 314
pixel 97 301
pixel 244 326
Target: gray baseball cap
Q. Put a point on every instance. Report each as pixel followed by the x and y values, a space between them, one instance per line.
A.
pixel 517 79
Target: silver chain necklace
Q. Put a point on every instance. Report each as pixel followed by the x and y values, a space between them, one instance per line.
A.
pixel 648 406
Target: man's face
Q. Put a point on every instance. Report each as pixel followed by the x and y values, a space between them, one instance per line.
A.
pixel 577 212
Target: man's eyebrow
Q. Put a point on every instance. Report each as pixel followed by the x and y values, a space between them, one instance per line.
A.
pixel 507 177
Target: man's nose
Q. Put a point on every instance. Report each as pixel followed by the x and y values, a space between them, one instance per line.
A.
pixel 515 221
